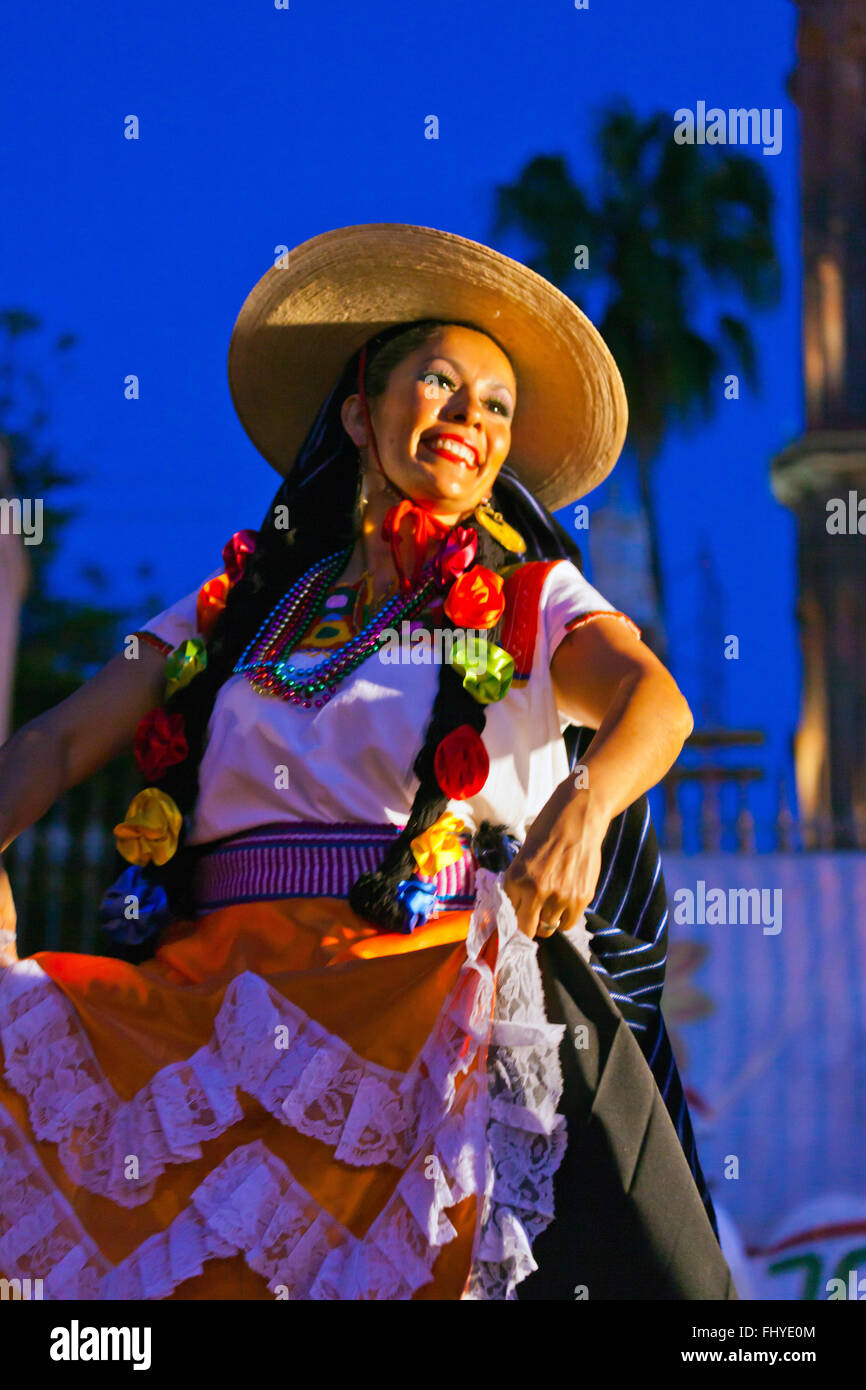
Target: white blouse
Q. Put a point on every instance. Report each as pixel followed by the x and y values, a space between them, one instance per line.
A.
pixel 267 760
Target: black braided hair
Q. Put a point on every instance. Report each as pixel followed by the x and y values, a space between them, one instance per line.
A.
pixel 321 498
pixel 374 896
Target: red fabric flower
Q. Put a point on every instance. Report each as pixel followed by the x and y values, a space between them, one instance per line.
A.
pixel 210 603
pixel 236 553
pixel 461 763
pixel 455 554
pixel 475 599
pixel 160 742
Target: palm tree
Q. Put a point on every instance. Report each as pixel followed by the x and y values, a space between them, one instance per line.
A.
pixel 668 227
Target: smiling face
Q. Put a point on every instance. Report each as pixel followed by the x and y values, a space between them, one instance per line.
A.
pixel 443 423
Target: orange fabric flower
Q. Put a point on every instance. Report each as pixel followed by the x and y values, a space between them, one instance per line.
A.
pixel 210 603
pixel 151 830
pixel 461 763
pixel 160 742
pixel 475 599
pixel 438 846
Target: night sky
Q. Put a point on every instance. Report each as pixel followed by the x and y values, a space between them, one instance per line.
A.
pixel 262 127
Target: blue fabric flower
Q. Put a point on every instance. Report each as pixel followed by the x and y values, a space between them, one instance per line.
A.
pixel 495 852
pixel 417 897
pixel 511 846
pixel 133 909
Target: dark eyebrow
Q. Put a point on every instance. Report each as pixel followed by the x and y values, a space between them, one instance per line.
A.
pixel 443 357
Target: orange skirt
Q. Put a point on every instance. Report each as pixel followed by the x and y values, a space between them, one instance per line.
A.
pixel 282 1103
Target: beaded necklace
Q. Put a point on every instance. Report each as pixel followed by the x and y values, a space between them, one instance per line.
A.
pixel 265 663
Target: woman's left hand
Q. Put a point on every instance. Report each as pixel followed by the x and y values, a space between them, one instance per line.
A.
pixel 554 876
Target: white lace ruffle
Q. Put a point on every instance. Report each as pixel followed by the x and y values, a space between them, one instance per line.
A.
pixel 315 1082
pixel 502 1142
pixel 40 1235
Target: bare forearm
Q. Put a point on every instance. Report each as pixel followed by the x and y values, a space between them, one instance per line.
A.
pixel 637 742
pixel 608 680
pixel 33 774
pixel 72 741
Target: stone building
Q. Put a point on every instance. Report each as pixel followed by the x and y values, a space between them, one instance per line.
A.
pixel 822 475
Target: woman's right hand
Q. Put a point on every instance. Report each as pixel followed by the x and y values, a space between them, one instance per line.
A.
pixel 8 920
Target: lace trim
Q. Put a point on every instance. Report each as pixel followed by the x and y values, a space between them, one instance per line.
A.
pixel 526 1136
pixel 40 1235
pixel 250 1204
pixel 301 1074
pixel 502 1141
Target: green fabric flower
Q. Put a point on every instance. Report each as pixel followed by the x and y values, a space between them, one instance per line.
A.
pixel 183 664
pixel 487 679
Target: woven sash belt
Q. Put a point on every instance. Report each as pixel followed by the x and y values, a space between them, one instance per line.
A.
pixel 308 859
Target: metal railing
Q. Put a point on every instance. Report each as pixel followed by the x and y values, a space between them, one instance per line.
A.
pixel 60 867
pixel 706 804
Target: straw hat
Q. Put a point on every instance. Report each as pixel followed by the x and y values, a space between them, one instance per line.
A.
pixel 300 325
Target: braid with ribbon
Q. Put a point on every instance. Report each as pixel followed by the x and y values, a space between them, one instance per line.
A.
pixel 380 897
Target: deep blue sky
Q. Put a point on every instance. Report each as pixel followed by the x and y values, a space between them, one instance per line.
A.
pixel 261 127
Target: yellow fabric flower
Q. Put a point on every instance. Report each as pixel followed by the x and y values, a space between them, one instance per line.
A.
pixel 183 663
pixel 438 846
pixel 151 829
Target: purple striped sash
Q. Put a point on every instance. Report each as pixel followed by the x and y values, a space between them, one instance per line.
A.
pixel 308 859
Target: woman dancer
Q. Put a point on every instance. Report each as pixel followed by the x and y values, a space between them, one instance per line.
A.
pixel 367 1055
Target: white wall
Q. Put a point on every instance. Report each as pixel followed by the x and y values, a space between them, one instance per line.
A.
pixel 779 1065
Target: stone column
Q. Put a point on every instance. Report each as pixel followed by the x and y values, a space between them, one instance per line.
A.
pixel 822 475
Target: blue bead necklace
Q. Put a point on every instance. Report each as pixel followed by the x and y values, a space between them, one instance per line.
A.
pixel 265 663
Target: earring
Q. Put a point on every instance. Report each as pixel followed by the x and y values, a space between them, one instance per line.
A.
pixel 364 494
pixel 499 528
pixel 373 478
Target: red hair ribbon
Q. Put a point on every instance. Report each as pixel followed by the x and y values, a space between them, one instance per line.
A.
pixel 409 530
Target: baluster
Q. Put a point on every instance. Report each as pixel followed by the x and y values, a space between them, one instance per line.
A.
pixel 785 822
pixel 20 855
pixel 93 850
pixel 131 787
pixel 673 817
pixel 745 822
pixel 711 819
pixel 57 841
pixel 823 831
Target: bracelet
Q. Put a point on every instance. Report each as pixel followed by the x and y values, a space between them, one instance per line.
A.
pixel 153 641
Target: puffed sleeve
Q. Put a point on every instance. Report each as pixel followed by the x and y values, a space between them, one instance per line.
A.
pixel 176 623
pixel 568 601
